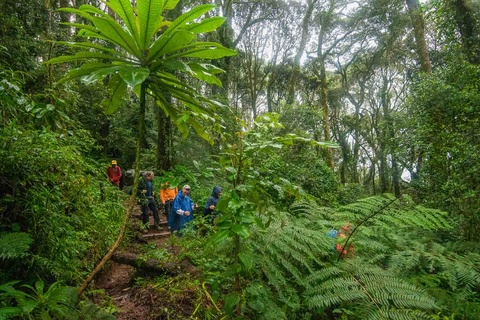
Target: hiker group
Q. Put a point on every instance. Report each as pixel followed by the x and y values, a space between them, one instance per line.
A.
pixel 178 206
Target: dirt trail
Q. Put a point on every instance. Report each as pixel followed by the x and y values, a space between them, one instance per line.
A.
pixel 135 302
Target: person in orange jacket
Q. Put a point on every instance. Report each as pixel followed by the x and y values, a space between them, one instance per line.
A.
pixel 167 195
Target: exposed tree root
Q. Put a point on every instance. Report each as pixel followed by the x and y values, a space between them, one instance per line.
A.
pixel 150 265
pixel 101 264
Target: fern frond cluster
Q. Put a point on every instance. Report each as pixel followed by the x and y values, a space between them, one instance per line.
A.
pixel 367 289
pixel 400 269
pixel 14 245
pixel 389 233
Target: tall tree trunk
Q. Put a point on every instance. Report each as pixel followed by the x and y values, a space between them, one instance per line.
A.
pixel 382 170
pixel 418 24
pixel 324 107
pixel 346 159
pixel 164 141
pixel 269 92
pixel 64 16
pixel 301 50
pixel 389 138
pixel 226 34
pixel 468 22
pixel 395 176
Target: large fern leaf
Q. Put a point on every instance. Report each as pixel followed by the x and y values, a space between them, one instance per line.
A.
pixel 14 245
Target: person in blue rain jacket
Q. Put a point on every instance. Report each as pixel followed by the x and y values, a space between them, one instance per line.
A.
pixel 209 209
pixel 182 210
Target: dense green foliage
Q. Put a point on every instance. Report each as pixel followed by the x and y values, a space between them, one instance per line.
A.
pixel 342 71
pixel 449 175
pixel 288 268
pixel 53 192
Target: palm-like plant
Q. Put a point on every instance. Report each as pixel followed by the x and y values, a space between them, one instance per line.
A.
pixel 144 51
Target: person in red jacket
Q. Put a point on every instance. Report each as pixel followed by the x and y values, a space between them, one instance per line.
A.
pixel 114 173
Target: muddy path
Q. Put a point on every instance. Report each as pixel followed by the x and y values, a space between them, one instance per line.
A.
pixel 130 292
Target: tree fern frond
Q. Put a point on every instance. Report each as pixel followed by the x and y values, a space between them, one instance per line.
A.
pixel 334 292
pixel 397 314
pixel 405 260
pixel 324 274
pixel 14 245
pixel 296 243
pixel 262 301
pixel 273 273
pixel 372 245
pixel 306 208
pixel 291 269
pixel 363 284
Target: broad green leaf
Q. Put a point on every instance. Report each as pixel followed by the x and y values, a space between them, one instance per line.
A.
pixel 191 15
pixel 191 101
pixel 78 12
pixel 89 45
pixel 134 76
pixel 186 96
pixel 165 81
pixel 29 305
pixel 84 55
pixel 92 9
pixel 110 29
pixel 95 33
pixel 275 145
pixel 177 41
pixel 224 223
pixel 87 69
pixel 39 285
pixel 178 65
pixel 8 312
pixel 113 31
pixel 206 25
pixel 223 203
pixel 210 68
pixel 157 48
pixel 247 218
pixel 150 17
pixel 200 130
pixel 210 53
pixel 200 46
pixel 241 230
pixel 230 303
pixel 218 237
pixel 167 107
pixel 208 78
pixel 125 11
pixel 98 74
pixel 247 260
pixel 118 87
pixel 231 170
pixel 171 4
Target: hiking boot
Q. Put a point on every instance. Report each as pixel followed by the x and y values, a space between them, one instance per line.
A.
pixel 156 227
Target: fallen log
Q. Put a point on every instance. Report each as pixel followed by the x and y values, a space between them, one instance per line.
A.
pixel 152 265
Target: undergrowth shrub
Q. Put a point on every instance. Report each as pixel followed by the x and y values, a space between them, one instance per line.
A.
pixel 288 268
pixel 51 190
pixel 300 165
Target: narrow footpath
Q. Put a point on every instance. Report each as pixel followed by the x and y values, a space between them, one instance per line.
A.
pixel 134 300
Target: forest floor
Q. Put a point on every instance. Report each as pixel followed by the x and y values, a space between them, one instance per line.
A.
pixel 131 293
